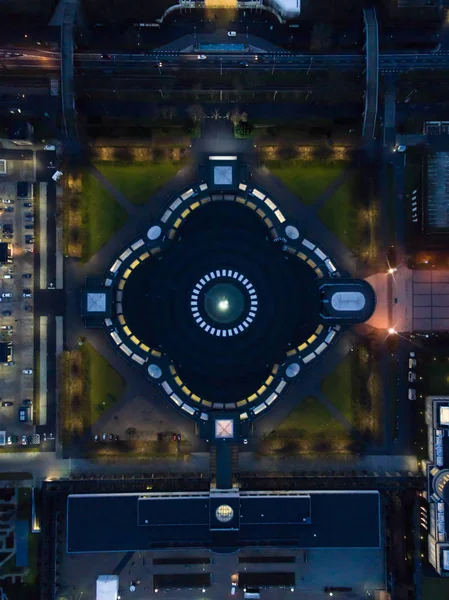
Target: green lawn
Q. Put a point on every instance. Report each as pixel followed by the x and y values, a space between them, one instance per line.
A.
pixel 307 179
pixel 105 386
pixel 139 181
pixel 435 588
pixel 310 418
pixel 102 215
pixel 436 375
pixel 339 389
pixel 340 214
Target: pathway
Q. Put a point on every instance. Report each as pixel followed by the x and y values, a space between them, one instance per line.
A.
pixel 336 413
pixel 130 208
pixel 327 194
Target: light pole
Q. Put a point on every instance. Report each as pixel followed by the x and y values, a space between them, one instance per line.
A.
pixel 221 66
pixel 274 64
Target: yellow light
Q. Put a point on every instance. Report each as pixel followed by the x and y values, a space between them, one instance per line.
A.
pixel 392 331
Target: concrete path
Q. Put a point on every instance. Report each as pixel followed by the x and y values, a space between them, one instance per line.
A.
pixel 325 196
pixel 119 197
pixel 335 412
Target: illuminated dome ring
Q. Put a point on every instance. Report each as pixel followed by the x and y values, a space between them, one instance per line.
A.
pixel 239 287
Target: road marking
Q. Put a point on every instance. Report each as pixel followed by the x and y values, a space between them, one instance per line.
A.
pixel 59 260
pixel 43 235
pixel 43 330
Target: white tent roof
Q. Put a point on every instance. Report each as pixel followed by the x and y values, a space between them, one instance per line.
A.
pixel 107 587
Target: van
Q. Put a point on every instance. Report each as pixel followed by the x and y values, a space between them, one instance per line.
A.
pixel 251 593
pixel 411 394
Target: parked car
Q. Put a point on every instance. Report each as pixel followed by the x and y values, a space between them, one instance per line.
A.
pixel 411 363
pixel 7 403
pixel 27 371
pixel 9 440
pixel 29 250
pixel 6 313
pixel 49 147
pixel 9 209
pixel 29 226
pixel 27 204
pixel 29 241
pixel 411 394
pixel 411 376
pixel 24 440
pixel 7 327
pixel 6 295
pixel 232 33
pixel 104 437
pixel 57 175
pixel 27 402
pixel 96 438
pixel 202 57
pixel 7 276
pixel 27 276
pixel 27 293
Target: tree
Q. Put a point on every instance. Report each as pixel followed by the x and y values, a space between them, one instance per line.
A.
pixel 235 116
pixel 243 128
pixel 196 113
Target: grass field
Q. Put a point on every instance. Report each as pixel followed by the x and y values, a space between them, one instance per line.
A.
pixel 310 418
pixel 338 387
pixel 104 385
pixel 307 179
pixel 139 181
pixel 101 215
pixel 356 389
pixel 436 375
pixel 340 214
pixel 89 386
pixel 309 428
pixel 435 588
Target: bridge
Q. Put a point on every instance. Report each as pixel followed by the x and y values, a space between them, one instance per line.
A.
pixel 372 74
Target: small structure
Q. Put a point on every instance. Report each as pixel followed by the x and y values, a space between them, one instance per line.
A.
pixel 5 252
pixel 5 352
pixel 96 303
pixel 107 587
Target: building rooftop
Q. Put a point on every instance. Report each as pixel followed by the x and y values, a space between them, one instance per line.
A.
pixel 141 522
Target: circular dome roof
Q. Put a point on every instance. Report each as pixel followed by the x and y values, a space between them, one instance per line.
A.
pixel 224 513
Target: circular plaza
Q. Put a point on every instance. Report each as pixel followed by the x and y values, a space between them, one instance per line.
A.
pixel 222 302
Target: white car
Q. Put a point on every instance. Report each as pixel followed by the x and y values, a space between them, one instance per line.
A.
pixel 202 57
pixel 49 147
pixel 27 371
pixel 232 33
pixel 6 295
pixel 57 175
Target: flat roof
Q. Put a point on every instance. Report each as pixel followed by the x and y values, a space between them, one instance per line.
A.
pixel 132 522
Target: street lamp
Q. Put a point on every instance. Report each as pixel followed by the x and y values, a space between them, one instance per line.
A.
pixel 392 331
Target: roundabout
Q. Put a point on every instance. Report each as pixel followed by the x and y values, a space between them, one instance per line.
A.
pixel 223 302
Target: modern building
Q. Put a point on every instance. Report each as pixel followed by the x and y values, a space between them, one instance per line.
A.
pixel 437 521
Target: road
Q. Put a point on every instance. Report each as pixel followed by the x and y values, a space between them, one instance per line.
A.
pixel 36 62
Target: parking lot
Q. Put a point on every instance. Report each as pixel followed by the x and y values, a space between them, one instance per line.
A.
pixel 16 310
